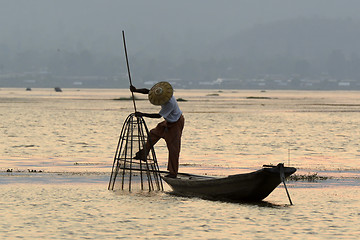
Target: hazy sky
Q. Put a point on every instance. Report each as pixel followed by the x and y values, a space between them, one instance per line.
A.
pixel 97 24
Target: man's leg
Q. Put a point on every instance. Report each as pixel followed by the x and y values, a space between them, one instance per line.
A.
pixel 154 135
pixel 173 142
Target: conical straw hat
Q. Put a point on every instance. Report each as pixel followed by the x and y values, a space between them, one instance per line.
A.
pixel 160 93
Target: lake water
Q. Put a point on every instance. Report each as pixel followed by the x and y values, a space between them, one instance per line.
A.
pixel 69 139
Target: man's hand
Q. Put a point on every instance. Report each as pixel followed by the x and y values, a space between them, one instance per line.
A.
pixel 132 88
pixel 138 114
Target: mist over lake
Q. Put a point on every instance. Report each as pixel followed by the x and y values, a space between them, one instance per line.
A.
pixel 309 45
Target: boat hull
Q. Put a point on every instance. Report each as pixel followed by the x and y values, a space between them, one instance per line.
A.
pixel 253 186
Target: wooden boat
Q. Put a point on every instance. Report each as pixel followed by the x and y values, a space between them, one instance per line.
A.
pixel 253 186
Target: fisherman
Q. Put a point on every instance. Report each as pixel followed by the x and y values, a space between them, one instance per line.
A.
pixel 161 94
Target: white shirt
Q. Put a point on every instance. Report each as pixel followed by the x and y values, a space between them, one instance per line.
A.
pixel 170 110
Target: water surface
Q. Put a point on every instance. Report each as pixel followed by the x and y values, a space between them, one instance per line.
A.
pixel 60 148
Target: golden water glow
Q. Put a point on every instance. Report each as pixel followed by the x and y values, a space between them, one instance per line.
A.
pixel 71 138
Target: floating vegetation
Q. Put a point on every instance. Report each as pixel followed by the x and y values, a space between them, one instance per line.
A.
pixel 311 177
pixel 87 163
pixel 57 89
pixel 188 164
pixel 11 170
pixel 26 146
pixel 34 171
pixel 181 100
pixel 258 97
pixel 127 98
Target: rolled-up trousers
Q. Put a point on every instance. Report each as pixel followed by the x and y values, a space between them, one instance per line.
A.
pixel 171 133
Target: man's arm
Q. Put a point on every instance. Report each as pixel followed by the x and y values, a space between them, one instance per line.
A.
pixel 140 90
pixel 149 115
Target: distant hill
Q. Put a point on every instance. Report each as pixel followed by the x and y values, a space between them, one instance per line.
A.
pixel 308 38
pixel 291 51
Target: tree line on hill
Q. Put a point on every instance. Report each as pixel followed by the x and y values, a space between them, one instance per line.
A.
pixel 313 48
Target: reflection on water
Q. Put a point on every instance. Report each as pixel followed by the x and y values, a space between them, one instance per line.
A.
pixel 90 211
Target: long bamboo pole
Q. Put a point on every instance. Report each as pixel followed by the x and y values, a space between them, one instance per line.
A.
pixel 128 68
pixel 282 178
pixel 165 172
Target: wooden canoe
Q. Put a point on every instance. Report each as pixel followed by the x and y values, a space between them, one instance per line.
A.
pixel 253 186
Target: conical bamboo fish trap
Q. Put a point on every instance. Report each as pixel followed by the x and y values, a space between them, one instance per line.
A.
pixel 129 173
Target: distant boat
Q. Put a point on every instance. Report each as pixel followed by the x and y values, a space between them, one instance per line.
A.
pixel 57 89
pixel 253 186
